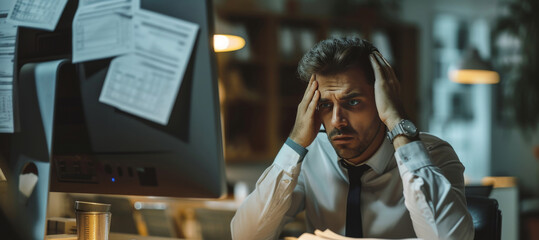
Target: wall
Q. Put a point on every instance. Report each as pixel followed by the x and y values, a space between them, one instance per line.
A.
pixel 503 148
pixel 512 155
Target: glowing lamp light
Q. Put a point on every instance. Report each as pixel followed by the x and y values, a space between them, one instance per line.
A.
pixel 472 76
pixel 227 43
pixel 473 70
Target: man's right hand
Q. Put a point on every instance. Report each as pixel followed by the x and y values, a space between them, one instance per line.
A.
pixel 307 123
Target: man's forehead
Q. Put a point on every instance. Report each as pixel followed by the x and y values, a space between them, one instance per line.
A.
pixel 342 86
pixel 353 93
pixel 351 76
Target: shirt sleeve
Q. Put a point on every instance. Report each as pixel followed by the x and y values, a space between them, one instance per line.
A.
pixel 276 199
pixel 434 195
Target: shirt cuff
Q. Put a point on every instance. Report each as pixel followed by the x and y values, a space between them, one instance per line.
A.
pixel 413 155
pixel 298 148
pixel 288 159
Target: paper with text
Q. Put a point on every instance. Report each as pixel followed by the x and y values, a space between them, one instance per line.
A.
pixel 330 235
pixel 8 36
pixel 146 82
pixel 102 29
pixel 42 14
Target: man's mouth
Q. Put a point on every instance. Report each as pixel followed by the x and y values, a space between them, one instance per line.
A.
pixel 342 139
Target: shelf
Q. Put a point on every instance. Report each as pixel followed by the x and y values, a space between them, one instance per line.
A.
pixel 242 14
pixel 287 120
pixel 291 63
pixel 246 63
pixel 290 86
pixel 242 132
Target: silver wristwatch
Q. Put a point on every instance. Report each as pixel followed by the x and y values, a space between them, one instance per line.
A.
pixel 404 127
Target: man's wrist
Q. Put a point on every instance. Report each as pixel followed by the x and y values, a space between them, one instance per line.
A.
pixel 391 123
pixel 401 140
pixel 302 151
pixel 297 141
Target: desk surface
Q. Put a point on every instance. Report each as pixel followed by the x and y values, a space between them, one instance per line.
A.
pixel 112 236
pixel 123 236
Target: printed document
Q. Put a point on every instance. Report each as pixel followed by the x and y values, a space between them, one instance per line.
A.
pixel 146 82
pixel 102 29
pixel 8 36
pixel 42 14
pixel 6 108
pixel 330 235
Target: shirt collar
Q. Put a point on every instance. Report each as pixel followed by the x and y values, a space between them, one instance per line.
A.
pixel 381 158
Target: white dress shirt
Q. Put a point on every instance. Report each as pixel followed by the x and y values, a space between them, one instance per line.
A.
pixel 417 191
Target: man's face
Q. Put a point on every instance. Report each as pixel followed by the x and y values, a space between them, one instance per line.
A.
pixel 347 109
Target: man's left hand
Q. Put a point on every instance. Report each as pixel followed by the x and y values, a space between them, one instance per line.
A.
pixel 386 92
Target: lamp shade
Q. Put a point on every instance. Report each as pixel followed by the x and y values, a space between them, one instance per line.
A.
pixel 473 70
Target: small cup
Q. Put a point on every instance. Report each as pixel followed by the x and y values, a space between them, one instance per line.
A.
pixel 93 220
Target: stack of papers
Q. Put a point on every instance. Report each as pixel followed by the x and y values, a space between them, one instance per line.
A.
pixel 329 235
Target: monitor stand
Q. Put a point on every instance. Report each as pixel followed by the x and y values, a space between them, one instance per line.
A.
pixel 24 194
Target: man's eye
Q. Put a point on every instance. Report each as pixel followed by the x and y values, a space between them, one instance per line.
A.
pixel 324 105
pixel 353 102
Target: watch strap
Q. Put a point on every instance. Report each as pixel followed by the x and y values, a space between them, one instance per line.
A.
pixel 399 130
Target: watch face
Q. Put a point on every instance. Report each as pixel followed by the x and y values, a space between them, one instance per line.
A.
pixel 409 128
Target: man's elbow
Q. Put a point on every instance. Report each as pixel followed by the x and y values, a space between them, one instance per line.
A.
pixel 463 230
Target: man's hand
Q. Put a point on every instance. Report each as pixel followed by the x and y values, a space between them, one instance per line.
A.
pixel 386 92
pixel 307 123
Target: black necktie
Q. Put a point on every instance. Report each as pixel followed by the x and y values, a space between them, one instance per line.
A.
pixel 354 226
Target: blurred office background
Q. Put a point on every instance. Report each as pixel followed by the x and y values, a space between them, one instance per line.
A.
pixel 492 127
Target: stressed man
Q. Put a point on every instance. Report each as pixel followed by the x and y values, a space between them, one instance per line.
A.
pixel 367 172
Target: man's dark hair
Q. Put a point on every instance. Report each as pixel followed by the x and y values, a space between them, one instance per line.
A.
pixel 336 55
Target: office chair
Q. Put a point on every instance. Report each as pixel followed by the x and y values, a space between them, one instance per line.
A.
pixel 487 218
pixel 478 190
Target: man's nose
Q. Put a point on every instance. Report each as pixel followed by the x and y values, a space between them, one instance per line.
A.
pixel 338 118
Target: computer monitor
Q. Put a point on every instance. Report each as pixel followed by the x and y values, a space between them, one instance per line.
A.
pixel 100 149
pixel 91 147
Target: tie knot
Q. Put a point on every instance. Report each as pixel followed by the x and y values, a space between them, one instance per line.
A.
pixel 355 172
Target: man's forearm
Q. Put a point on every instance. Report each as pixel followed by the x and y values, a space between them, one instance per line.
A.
pixel 262 214
pixel 436 205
